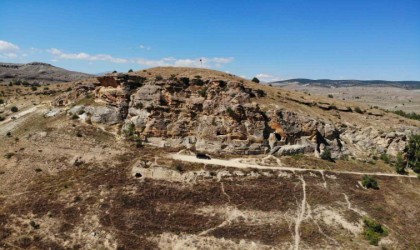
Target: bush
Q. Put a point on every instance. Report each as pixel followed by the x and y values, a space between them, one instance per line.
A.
pixel 2 118
pixel 113 72
pixel 385 158
pixel 373 231
pixel 130 70
pixel 256 80
pixel 33 88
pixel 400 164
pixel 1 101
pixel 330 96
pixel 14 109
pixel 230 111
pixel 369 182
pixel 411 115
pixel 326 155
pixel 413 153
pixel 74 117
pixel 358 110
pixel 158 78
pixel 203 92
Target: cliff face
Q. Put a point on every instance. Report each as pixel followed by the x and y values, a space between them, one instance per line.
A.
pixel 217 115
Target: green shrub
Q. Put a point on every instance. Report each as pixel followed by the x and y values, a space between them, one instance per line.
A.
pixel 373 231
pixel 203 92
pixel 130 70
pixel 411 115
pixel 74 117
pixel 113 72
pixel 158 78
pixel 413 153
pixel 326 155
pixel 33 88
pixel 14 109
pixel 385 158
pixel 1 101
pixel 400 164
pixel 256 80
pixel 369 182
pixel 330 96
pixel 230 111
pixel 8 134
pixel 2 118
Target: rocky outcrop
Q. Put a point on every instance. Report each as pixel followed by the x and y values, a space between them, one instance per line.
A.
pixel 213 115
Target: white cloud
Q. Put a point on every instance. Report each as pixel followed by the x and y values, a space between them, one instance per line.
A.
pixel 85 56
pixel 8 49
pixel 166 61
pixel 268 77
pixel 141 46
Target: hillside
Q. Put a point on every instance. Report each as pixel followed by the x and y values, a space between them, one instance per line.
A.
pixel 110 163
pixel 40 72
pixel 350 83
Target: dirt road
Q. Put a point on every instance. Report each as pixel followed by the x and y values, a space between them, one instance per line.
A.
pixel 235 163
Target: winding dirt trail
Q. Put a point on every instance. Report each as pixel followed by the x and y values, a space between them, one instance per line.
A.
pixel 235 163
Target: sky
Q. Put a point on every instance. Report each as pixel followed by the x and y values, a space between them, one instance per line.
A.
pixel 271 39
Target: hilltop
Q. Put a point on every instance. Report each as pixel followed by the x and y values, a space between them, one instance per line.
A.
pixel 40 72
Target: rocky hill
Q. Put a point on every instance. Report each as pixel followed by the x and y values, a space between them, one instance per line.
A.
pixel 216 112
pixel 111 162
pixel 40 72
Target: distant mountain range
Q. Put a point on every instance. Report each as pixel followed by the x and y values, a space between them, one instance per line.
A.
pixel 350 83
pixel 38 71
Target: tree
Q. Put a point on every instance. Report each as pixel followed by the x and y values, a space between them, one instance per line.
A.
pixel 400 164
pixel 255 80
pixel 413 153
pixel 130 71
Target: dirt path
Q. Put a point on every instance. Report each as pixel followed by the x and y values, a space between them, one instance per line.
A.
pixel 235 163
pixel 9 124
pixel 301 215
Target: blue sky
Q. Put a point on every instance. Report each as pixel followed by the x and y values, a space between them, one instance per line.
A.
pixel 355 39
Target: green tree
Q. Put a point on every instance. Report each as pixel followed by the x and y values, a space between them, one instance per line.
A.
pixel 400 164
pixel 130 71
pixel 255 80
pixel 413 153
pixel 14 109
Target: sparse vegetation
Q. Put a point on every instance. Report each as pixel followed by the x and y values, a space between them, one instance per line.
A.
pixel 373 231
pixel 369 182
pixel 400 164
pixel 413 153
pixel 230 112
pixel 74 117
pixel 330 96
pixel 130 70
pixel 412 115
pixel 358 110
pixel 14 109
pixel 203 92
pixel 326 155
pixel 158 78
pixel 1 101
pixel 256 80
pixel 9 155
